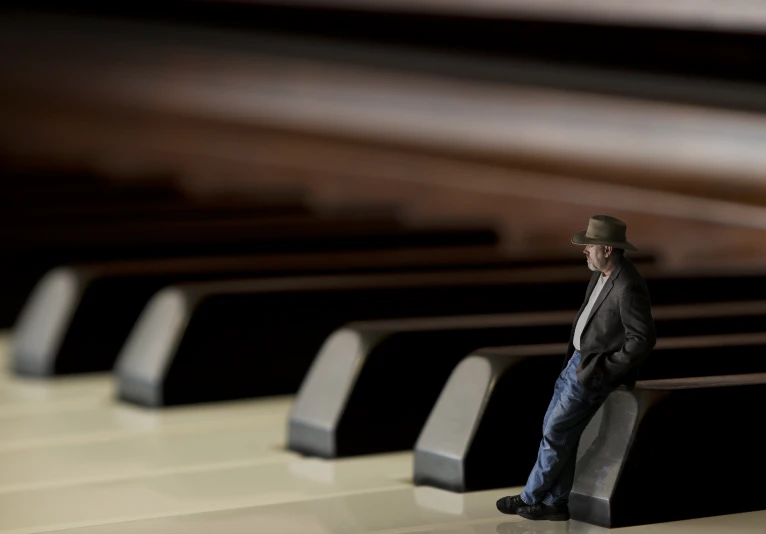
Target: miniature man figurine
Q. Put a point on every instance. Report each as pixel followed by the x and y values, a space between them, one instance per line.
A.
pixel 612 334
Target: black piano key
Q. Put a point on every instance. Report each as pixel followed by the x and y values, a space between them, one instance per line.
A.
pixel 690 433
pixel 216 341
pixel 29 261
pixel 468 432
pixel 270 332
pixel 78 317
pixel 373 385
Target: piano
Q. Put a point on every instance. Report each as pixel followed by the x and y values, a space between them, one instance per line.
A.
pixel 281 267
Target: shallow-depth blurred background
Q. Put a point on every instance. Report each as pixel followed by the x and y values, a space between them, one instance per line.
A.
pixel 527 116
pixel 180 179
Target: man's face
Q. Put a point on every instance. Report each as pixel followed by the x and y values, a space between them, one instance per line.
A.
pixel 596 257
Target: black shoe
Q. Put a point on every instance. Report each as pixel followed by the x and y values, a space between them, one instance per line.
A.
pixel 541 512
pixel 509 505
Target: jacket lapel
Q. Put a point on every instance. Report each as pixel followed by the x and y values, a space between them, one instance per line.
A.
pixel 604 292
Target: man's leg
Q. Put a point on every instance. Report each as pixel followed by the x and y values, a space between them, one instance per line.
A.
pixel 552 445
pixel 558 451
pixel 510 504
pixel 550 481
pixel 558 494
pixel 559 479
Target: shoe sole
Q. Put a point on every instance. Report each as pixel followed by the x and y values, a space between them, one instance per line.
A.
pixel 556 517
pixel 506 512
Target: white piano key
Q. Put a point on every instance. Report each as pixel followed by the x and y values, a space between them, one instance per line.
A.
pixel 167 495
pixel 116 421
pixel 403 511
pixel 23 395
pixel 384 509
pixel 137 456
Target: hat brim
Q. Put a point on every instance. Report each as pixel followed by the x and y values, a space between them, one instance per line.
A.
pixel 580 239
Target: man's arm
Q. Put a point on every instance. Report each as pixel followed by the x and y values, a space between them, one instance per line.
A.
pixel 640 335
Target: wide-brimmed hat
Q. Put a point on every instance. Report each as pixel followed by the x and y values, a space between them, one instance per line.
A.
pixel 604 230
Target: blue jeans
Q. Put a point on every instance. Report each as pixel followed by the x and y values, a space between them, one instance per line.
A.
pixel 571 409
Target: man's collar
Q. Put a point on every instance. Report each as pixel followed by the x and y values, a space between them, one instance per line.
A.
pixel 615 270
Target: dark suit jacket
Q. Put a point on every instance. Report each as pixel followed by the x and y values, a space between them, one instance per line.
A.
pixel 619 334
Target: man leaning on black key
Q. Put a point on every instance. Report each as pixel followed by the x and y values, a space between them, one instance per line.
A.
pixel 612 334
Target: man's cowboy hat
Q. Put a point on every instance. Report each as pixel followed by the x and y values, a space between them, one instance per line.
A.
pixel 603 230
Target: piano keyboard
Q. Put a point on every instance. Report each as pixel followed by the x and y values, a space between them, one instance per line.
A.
pixel 328 243
pixel 71 457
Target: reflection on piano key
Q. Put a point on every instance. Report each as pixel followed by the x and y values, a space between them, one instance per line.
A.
pixel 24 396
pixel 316 469
pixel 33 396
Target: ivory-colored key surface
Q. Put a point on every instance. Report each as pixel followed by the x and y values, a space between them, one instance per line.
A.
pixel 23 395
pixel 136 456
pixel 224 488
pixel 222 468
pixel 361 511
pixel 403 511
pixel 116 421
